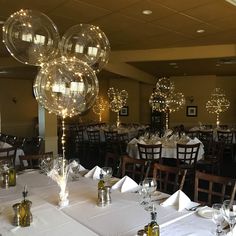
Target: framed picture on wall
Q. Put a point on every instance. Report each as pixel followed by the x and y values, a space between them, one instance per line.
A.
pixel 124 111
pixel 191 111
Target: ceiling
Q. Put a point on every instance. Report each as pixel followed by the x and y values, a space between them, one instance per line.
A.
pixel 165 43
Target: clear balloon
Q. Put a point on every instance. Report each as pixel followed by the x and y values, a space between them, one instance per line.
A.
pixel 87 43
pixel 157 101
pixel 66 87
pixel 175 101
pixel 165 85
pixel 31 37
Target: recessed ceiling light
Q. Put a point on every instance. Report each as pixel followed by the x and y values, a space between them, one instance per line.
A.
pixel 172 63
pixel 2 22
pixel 147 12
pixel 200 31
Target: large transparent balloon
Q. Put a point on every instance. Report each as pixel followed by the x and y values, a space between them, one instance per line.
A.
pixel 165 85
pixel 87 43
pixel 66 87
pixel 31 37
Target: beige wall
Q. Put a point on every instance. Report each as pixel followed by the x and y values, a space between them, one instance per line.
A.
pixel 200 87
pixel 18 118
pixel 18 107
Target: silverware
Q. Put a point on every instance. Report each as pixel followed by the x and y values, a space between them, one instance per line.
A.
pixel 194 208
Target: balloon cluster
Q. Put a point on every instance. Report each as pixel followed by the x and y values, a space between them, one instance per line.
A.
pixel 66 84
pixel 100 106
pixel 117 100
pixel 165 99
pixel 217 103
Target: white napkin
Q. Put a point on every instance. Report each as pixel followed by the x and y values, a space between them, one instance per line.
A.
pixel 125 184
pixel 233 233
pixel 94 173
pixel 81 168
pixel 178 199
pixel 133 141
pixel 194 141
pixel 142 141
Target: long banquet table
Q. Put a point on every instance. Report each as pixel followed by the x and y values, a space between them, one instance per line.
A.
pixel 83 217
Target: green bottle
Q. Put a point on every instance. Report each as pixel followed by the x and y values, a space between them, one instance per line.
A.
pixel 12 177
pixel 153 227
pixel 101 183
pixel 24 210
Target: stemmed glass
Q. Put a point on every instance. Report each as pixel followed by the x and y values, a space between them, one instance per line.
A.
pixel 218 218
pixel 107 174
pixel 149 185
pixel 75 166
pixel 229 213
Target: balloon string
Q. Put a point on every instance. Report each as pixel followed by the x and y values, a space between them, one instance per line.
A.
pixel 63 145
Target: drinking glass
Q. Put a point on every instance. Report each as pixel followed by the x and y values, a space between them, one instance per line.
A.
pixel 75 166
pixel 107 174
pixel 218 218
pixel 229 213
pixel 149 185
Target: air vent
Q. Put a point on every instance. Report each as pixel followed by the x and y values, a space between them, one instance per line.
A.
pixel 233 2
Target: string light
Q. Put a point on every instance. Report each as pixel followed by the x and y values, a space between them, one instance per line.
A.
pixel 164 98
pixel 217 104
pixel 117 99
pixel 100 106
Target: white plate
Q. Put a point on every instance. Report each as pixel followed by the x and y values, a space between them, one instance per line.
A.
pixel 205 212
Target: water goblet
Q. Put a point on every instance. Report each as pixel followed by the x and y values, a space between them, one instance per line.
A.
pixel 150 185
pixel 229 213
pixel 107 174
pixel 75 167
pixel 218 218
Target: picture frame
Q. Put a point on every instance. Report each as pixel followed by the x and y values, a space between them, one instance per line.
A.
pixel 124 111
pixel 191 111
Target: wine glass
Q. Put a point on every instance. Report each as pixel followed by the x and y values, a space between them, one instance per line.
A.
pixel 229 213
pixel 107 174
pixel 75 167
pixel 218 218
pixel 149 185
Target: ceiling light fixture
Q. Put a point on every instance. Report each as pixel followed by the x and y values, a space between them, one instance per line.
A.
pixel 147 12
pixel 233 2
pixel 173 64
pixel 200 31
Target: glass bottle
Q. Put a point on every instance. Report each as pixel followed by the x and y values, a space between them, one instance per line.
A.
pixel 101 183
pixel 12 177
pixel 153 227
pixel 25 213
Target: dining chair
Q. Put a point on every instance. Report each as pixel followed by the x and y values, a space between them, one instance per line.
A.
pixel 227 137
pixel 192 134
pixel 94 147
pixel 123 141
pixel 211 189
pixel 33 161
pixel 213 158
pixel 151 154
pixel 205 136
pixel 114 161
pixel 134 168
pixel 169 178
pixel 8 154
pixel 186 158
pixel 112 141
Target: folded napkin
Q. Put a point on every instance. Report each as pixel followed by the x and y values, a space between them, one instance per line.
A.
pixel 133 141
pixel 232 234
pixel 125 184
pixel 141 141
pixel 178 199
pixel 94 173
pixel 194 141
pixel 81 168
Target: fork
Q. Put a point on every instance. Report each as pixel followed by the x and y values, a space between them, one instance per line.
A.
pixel 194 208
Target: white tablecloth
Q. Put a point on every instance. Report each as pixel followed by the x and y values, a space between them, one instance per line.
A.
pixel 167 152
pixel 19 152
pixel 83 217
